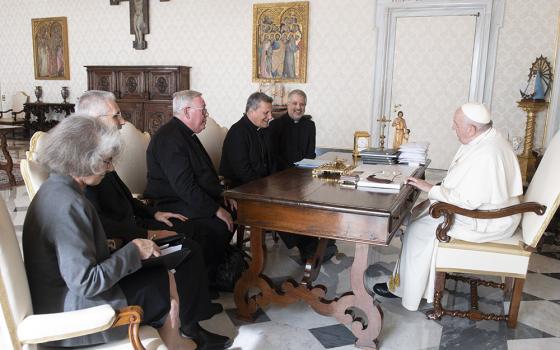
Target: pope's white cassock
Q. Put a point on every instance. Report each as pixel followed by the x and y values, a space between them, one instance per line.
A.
pixel 484 174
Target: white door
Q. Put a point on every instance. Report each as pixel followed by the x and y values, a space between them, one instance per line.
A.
pixel 431 78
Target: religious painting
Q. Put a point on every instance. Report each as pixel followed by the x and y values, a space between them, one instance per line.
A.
pixel 280 42
pixel 50 48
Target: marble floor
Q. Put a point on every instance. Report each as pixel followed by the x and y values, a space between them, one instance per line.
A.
pixel 299 327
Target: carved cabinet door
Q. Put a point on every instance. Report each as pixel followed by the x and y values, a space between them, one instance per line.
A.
pixel 162 84
pixel 103 80
pixel 155 115
pixel 132 112
pixel 131 84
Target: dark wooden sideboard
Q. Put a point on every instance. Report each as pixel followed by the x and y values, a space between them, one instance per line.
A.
pixel 144 93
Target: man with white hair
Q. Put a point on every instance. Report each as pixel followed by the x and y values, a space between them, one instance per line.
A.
pixel 484 175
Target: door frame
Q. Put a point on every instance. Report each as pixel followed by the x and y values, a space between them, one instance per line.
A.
pixel 489 18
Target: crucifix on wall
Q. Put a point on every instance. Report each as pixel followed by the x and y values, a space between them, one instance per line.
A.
pixel 139 21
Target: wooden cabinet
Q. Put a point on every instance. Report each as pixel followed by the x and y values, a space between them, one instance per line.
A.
pixel 144 93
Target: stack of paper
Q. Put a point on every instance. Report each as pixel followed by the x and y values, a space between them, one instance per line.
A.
pixel 379 156
pixel 414 153
pixel 310 163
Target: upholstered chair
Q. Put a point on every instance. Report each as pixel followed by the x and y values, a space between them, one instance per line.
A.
pixel 33 175
pixel 21 329
pixel 508 258
pixel 212 138
pixel 131 164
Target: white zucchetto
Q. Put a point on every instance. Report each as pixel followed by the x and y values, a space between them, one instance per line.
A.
pixel 476 112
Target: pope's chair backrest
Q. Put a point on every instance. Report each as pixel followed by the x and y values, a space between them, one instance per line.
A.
pixel 543 189
pixel 15 298
pixel 131 164
pixel 212 138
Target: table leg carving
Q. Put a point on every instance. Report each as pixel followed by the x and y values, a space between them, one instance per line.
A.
pixel 349 308
pixel 9 165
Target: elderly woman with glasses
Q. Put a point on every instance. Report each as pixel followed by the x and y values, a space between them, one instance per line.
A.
pixel 67 259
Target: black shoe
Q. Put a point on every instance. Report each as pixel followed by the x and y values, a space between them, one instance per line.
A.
pixel 213 309
pixel 383 290
pixel 330 251
pixel 204 339
pixel 213 294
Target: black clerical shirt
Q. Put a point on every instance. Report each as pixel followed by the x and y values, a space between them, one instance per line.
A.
pixel 291 141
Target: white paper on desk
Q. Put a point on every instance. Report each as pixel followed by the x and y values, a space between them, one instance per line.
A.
pixel 172 249
pixel 396 173
pixel 310 163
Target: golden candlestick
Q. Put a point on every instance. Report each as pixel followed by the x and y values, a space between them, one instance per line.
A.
pixel 383 121
pixel 528 160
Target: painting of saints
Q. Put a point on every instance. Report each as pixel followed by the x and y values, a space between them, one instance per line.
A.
pixel 280 41
pixel 50 45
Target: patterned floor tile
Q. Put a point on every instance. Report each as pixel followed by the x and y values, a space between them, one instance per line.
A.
pixel 333 336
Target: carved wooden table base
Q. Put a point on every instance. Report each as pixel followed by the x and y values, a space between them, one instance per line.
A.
pixel 349 308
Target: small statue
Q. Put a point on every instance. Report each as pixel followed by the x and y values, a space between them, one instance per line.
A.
pixel 401 131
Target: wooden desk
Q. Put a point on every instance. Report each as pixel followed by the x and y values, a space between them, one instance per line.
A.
pixel 9 165
pixel 294 201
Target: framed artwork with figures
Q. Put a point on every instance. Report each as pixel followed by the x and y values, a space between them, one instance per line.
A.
pixel 50 48
pixel 280 42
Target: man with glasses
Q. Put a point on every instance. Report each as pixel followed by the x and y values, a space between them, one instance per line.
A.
pixel 126 218
pixel 182 179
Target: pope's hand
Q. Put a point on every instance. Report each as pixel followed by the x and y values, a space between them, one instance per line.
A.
pixel 422 185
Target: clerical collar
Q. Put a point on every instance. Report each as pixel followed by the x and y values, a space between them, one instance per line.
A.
pixel 480 137
pixel 248 122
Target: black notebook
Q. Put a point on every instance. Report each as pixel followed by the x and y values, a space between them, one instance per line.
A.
pixel 173 252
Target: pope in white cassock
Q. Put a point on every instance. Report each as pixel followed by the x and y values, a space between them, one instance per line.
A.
pixel 485 175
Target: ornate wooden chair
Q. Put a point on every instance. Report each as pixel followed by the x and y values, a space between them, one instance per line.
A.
pixel 508 258
pixel 16 114
pixel 20 329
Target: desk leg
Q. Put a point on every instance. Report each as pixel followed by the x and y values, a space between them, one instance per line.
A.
pixel 9 166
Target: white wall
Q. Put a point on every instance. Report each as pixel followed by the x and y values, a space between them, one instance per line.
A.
pixel 214 38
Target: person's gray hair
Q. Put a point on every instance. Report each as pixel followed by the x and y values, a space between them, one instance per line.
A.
pixel 255 99
pixel 93 103
pixel 183 98
pixel 299 93
pixel 78 146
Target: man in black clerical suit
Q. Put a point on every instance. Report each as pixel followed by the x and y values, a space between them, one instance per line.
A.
pixel 292 135
pixel 182 179
pixel 291 138
pixel 245 154
pixel 127 218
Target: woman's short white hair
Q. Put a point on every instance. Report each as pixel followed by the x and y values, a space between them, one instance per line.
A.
pixel 79 146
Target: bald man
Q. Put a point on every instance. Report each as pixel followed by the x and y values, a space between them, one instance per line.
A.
pixel 484 175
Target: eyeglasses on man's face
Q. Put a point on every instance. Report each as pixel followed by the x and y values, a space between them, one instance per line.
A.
pixel 202 109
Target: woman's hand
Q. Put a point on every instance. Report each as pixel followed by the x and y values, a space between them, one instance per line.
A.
pixel 146 248
pixel 163 216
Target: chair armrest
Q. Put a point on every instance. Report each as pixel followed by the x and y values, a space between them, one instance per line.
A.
pixel 43 328
pixel 35 329
pixel 449 210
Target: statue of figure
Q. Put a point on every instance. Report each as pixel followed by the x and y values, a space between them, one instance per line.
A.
pixel 401 132
pixel 139 25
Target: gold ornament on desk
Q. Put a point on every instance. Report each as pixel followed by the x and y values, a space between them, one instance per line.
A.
pixel 382 121
pixel 362 141
pixel 401 131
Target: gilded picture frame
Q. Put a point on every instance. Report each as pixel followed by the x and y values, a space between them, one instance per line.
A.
pixel 50 48
pixel 280 34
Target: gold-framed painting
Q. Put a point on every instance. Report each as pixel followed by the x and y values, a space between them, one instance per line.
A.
pixel 280 42
pixel 50 48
